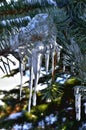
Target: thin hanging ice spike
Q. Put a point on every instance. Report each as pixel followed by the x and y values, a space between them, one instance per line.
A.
pixel 53 67
pixel 78 106
pixel 47 57
pixel 76 89
pixel 21 78
pixel 22 69
pixel 37 60
pixel 37 74
pixel 31 85
pixel 65 58
pixel 77 102
pixel 58 51
pixel 85 107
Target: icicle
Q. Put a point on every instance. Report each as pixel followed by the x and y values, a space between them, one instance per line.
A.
pixel 64 63
pixel 22 69
pixel 31 85
pixel 21 78
pixel 47 56
pixel 52 2
pixel 58 51
pixel 77 102
pixel 78 106
pixel 38 60
pixel 85 107
pixel 53 67
pixel 64 68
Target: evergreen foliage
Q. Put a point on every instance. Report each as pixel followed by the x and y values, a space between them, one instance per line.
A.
pixel 57 99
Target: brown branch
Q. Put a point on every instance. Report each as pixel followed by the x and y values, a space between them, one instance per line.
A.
pixel 55 63
pixel 14 12
pixel 18 11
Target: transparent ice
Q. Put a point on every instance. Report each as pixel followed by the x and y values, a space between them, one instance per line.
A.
pixel 34 41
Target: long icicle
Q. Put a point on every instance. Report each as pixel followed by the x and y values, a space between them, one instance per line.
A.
pixel 37 74
pixel 77 102
pixel 30 85
pixel 78 106
pixel 21 78
pixel 47 57
pixel 53 63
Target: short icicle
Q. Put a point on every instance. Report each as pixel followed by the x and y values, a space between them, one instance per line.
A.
pixel 64 63
pixel 30 85
pixel 58 51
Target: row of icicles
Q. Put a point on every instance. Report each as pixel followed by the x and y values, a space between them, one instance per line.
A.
pixel 37 40
pixel 35 68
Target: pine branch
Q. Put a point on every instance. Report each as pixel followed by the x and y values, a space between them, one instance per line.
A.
pixel 20 7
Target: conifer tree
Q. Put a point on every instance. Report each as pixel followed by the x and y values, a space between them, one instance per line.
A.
pixel 69 17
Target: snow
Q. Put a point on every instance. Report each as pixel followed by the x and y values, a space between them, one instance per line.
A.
pixel 62 78
pixel 1 103
pixel 3 23
pixel 70 108
pixel 10 1
pixel 63 119
pixel 25 126
pixel 52 2
pixel 83 127
pixel 11 82
pixel 17 127
pixel 49 120
pixel 14 115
